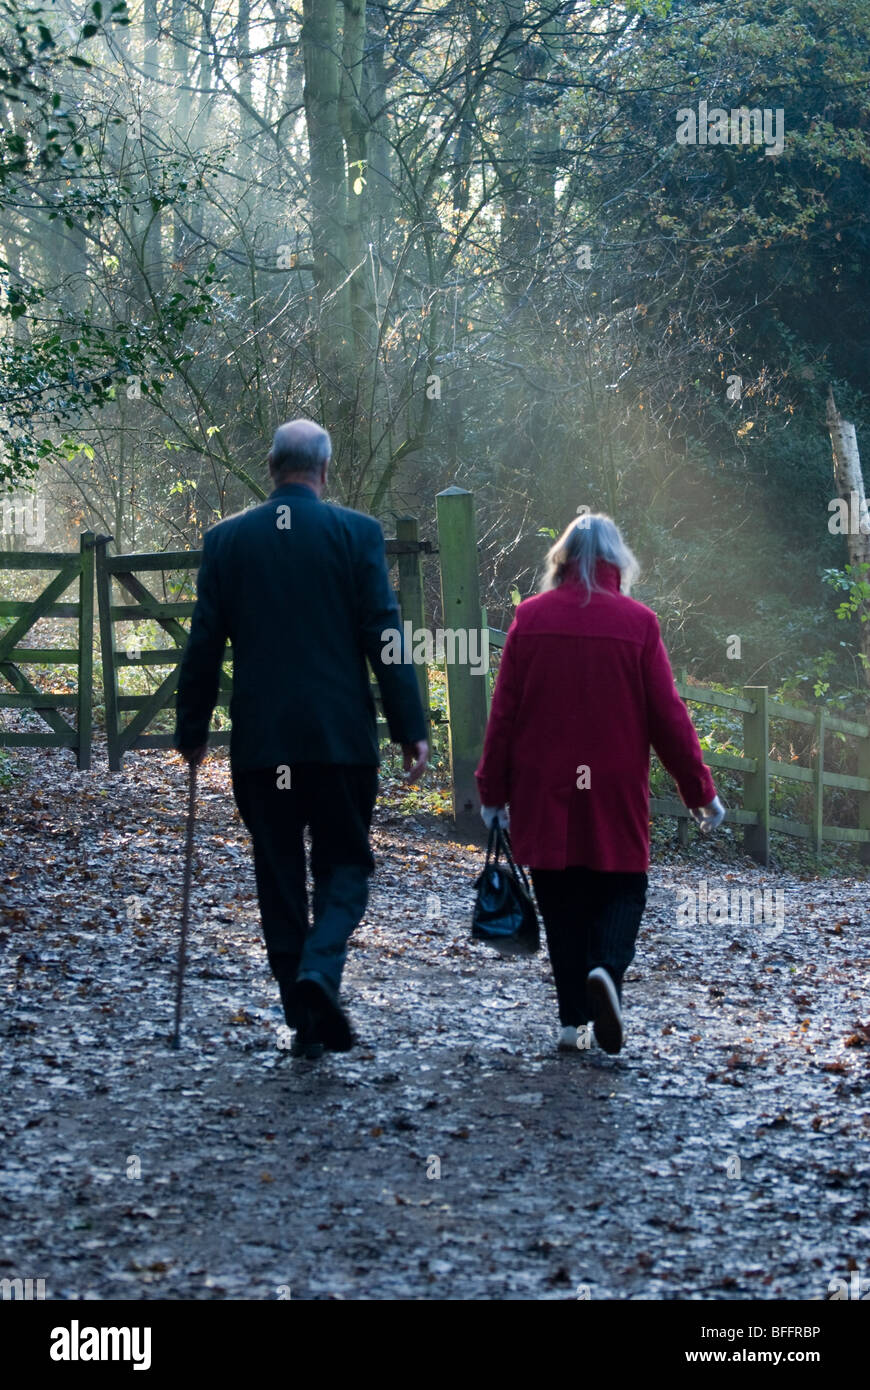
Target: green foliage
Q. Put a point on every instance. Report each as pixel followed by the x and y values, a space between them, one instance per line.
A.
pixel 32 59
pixel 431 796
pixel 855 579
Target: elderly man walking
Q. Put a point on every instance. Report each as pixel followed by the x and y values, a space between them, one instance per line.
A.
pixel 300 589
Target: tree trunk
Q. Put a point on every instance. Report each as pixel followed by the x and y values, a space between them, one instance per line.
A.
pixel 528 141
pixel 329 236
pixel 183 109
pixel 849 480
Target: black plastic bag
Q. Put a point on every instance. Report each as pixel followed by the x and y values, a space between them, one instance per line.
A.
pixel 504 911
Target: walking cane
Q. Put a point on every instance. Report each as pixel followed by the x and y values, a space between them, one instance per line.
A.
pixel 185 909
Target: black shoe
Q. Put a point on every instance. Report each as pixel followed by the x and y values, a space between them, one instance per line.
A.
pixel 606 1013
pixel 318 998
pixel 307 1041
pixel 292 1013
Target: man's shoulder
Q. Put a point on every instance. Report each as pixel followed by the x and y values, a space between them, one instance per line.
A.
pixel 228 524
pixel 365 525
pixel 363 534
pixel 329 514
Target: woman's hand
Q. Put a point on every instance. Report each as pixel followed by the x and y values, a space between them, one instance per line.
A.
pixel 709 817
pixel 495 813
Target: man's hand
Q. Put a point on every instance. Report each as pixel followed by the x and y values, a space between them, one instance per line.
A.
pixel 194 756
pixel 415 758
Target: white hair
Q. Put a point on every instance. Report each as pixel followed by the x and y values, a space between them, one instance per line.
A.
pixel 592 537
pixel 299 446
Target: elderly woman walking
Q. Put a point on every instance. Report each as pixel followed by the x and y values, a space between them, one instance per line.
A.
pixel 584 689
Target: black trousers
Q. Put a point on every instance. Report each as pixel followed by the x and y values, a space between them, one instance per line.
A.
pixel 591 919
pixel 335 801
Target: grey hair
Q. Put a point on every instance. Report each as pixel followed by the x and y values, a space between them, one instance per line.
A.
pixel 592 537
pixel 299 446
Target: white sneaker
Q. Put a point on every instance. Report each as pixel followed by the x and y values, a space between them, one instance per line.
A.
pixel 576 1039
pixel 607 1021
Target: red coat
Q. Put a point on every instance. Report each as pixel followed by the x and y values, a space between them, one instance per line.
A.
pixel 586 687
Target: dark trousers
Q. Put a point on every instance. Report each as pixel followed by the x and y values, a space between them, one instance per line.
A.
pixel 591 919
pixel 335 801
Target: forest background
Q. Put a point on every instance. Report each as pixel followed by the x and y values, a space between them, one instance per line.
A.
pixel 466 238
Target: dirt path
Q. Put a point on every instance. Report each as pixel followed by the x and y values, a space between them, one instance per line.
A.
pixel 454 1154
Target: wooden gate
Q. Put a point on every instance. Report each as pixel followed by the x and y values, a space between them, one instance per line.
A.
pixel 124 571
pixel 70 567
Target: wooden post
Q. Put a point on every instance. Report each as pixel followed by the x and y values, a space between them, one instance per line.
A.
pixel 107 649
pixel 849 482
pixel 411 597
pixel 683 820
pixel 466 692
pixel 819 783
pixel 484 627
pixel 756 785
pixel 86 650
pixel 864 797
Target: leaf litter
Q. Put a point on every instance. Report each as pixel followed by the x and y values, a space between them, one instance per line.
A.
pixel 454 1153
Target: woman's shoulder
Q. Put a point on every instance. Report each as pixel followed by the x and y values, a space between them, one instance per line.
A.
pixel 537 607
pixel 528 605
pixel 563 606
pixel 641 609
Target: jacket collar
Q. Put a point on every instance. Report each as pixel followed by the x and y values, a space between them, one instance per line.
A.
pixel 607 575
pixel 294 490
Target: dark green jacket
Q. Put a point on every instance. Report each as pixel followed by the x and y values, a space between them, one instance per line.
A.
pixel 302 605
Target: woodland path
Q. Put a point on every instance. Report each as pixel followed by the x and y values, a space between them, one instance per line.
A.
pixel 724 1154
